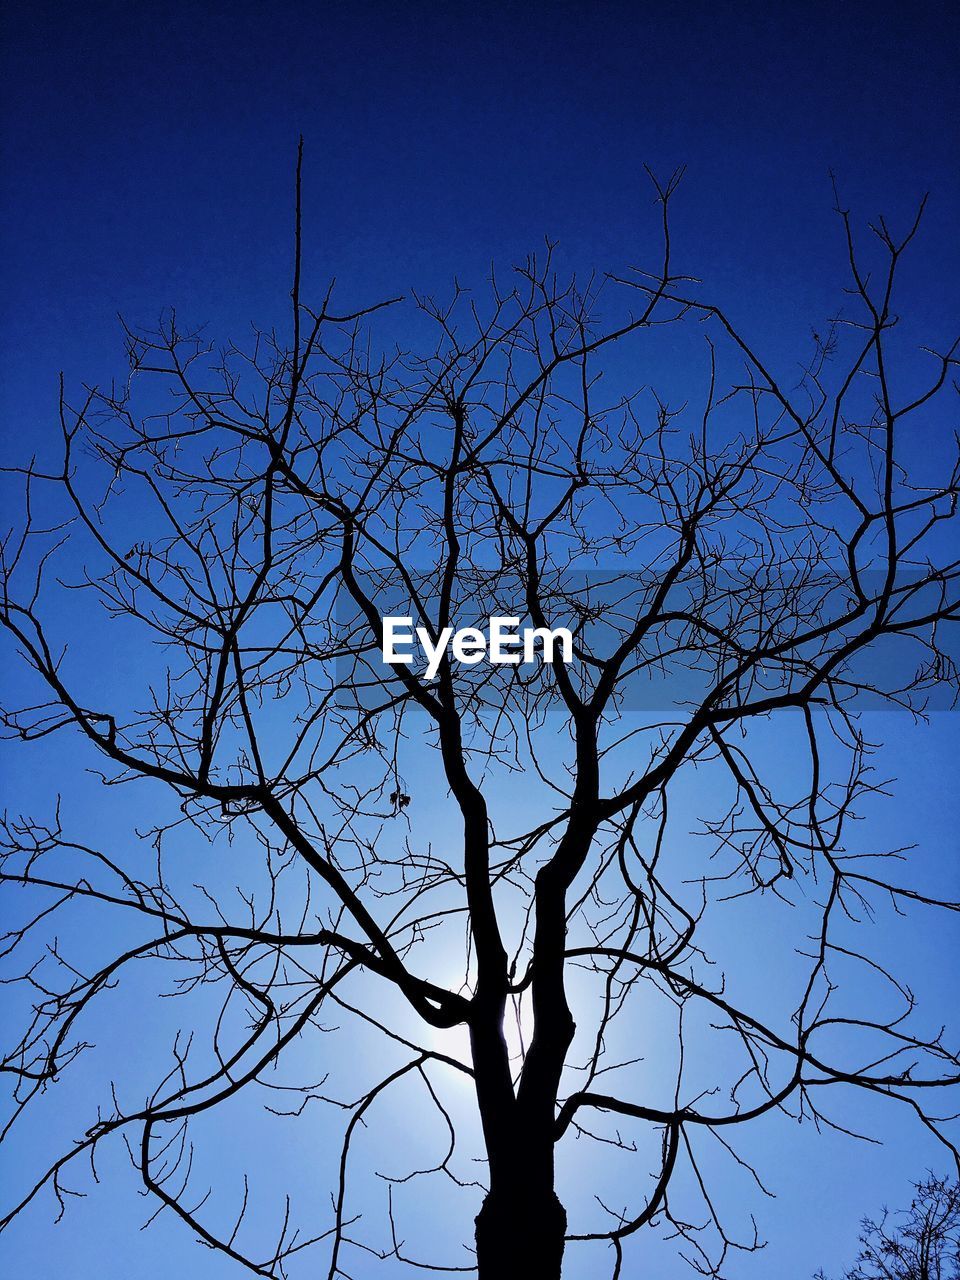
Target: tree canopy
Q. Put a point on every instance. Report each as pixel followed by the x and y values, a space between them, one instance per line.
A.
pixel 563 859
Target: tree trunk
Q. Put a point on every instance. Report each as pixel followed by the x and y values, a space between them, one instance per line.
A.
pixel 520 1232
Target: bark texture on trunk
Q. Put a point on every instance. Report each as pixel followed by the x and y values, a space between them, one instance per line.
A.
pixel 520 1234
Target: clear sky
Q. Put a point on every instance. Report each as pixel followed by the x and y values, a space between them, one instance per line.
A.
pixel 147 161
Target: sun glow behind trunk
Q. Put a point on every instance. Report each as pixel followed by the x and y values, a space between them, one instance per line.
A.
pixel 517 1031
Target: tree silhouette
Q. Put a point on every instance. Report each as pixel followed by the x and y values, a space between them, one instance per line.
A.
pixel 926 1244
pixel 736 568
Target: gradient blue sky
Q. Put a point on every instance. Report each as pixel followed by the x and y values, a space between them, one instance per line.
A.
pixel 146 161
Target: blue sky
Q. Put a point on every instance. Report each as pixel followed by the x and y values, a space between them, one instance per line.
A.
pixel 147 162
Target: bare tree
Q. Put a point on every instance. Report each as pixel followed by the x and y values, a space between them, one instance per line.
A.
pixel 732 566
pixel 924 1246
